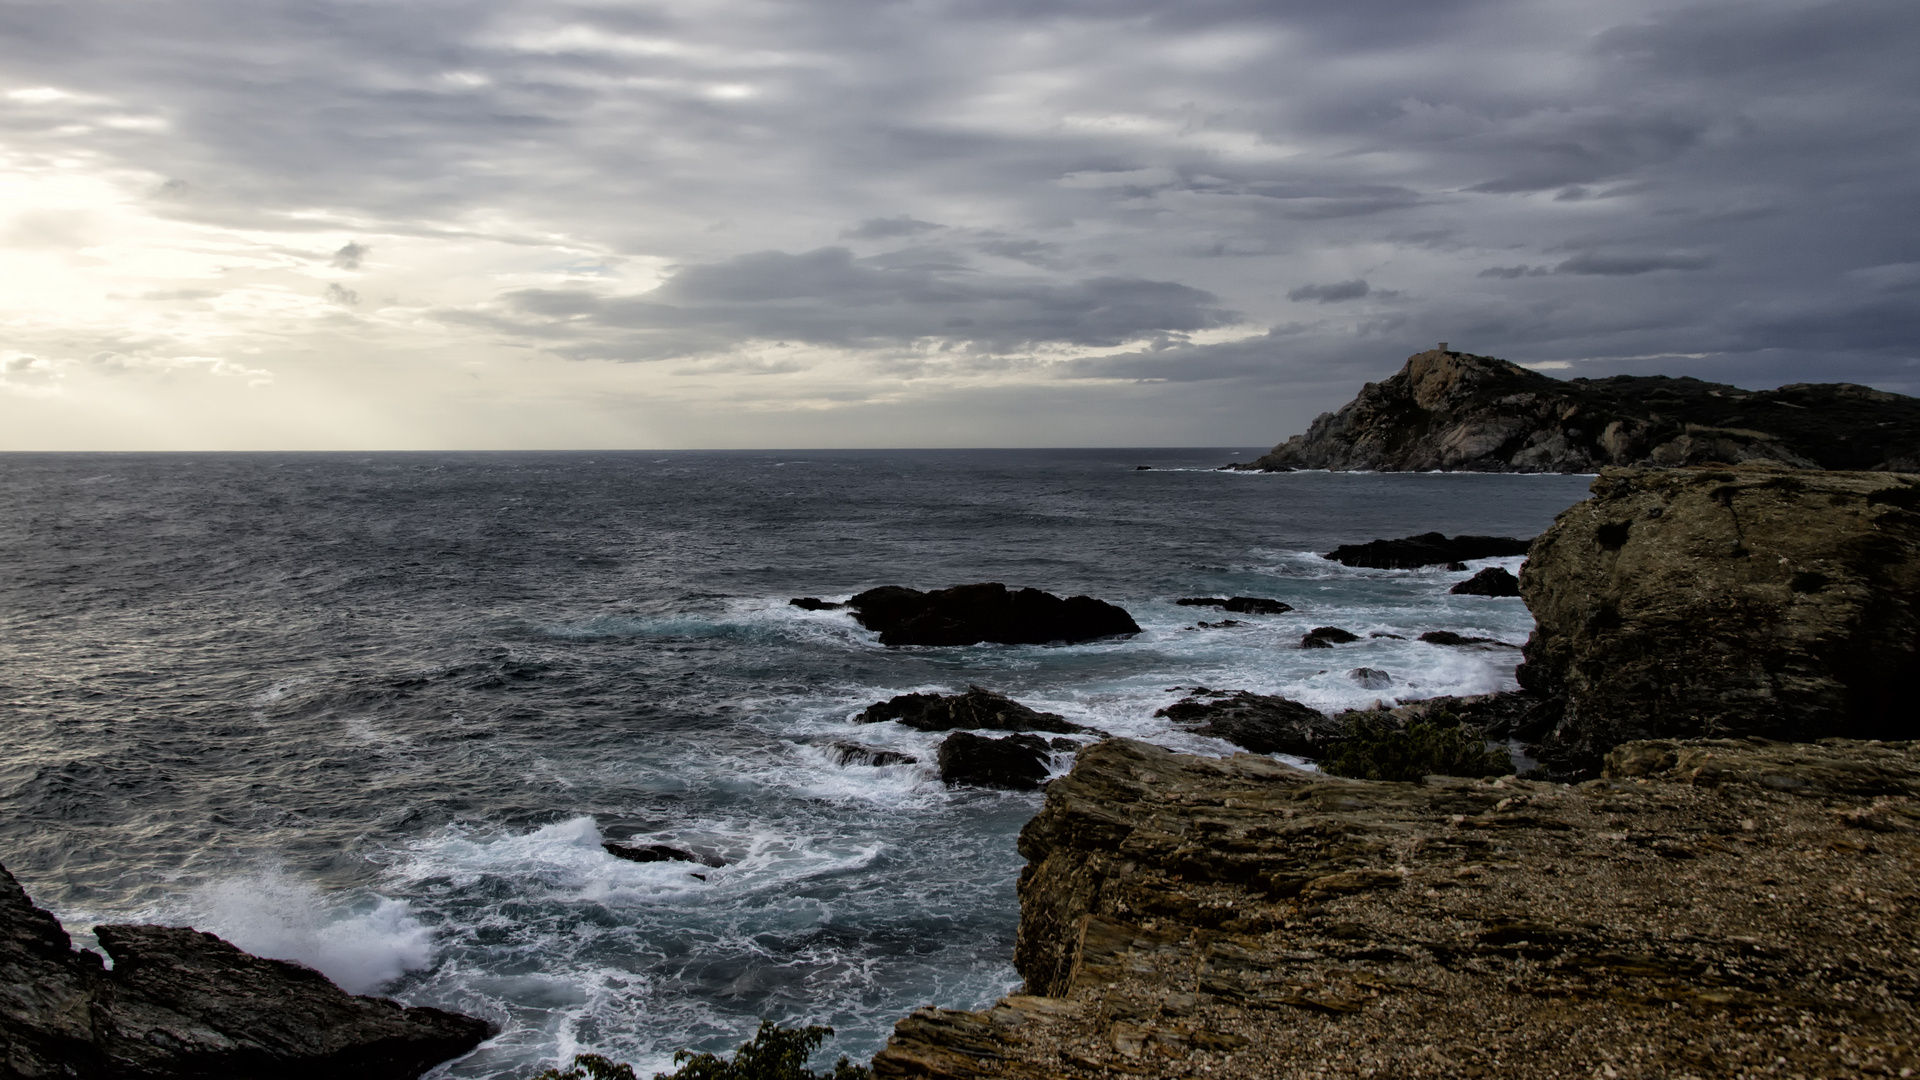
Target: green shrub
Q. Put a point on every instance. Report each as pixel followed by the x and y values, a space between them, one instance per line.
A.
pixel 774 1053
pixel 1375 750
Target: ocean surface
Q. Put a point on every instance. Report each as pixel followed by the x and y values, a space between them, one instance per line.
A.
pixel 377 712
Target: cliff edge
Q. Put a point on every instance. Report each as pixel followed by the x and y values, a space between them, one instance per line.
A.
pixel 1458 411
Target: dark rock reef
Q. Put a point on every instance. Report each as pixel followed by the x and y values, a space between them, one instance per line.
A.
pixel 1709 908
pixel 977 709
pixel 1493 581
pixel 989 611
pixel 1427 549
pixel 1262 723
pixel 179 1003
pixel 1458 411
pixel 1014 762
pixel 1728 601
pixel 1239 605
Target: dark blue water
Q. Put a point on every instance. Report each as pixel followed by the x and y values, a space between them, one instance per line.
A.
pixel 377 712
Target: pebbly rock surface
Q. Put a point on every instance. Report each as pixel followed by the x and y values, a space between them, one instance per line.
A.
pixel 1493 581
pixel 179 1003
pixel 977 710
pixel 1427 549
pixel 1708 909
pixel 1262 723
pixel 1727 601
pixel 1452 410
pixel 989 611
pixel 1014 762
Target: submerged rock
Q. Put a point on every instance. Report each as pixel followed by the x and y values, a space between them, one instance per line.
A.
pixel 645 853
pixel 1371 678
pixel 1262 723
pixel 814 603
pixel 970 614
pixel 1239 605
pixel 977 709
pixel 1493 581
pixel 1452 410
pixel 846 753
pixel 1448 637
pixel 1717 602
pixel 1427 549
pixel 179 1003
pixel 1014 762
pixel 1326 637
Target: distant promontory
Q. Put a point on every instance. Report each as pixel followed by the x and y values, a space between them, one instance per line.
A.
pixel 1457 411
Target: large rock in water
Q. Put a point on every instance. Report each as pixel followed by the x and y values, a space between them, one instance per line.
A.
pixel 1711 909
pixel 1458 411
pixel 1016 762
pixel 978 709
pixel 1728 601
pixel 1427 549
pixel 989 611
pixel 1262 723
pixel 180 1003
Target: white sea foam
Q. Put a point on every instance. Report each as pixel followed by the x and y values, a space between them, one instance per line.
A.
pixel 361 945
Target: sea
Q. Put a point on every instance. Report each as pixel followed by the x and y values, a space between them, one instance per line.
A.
pixel 378 713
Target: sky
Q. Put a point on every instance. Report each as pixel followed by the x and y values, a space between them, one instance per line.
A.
pixel 502 224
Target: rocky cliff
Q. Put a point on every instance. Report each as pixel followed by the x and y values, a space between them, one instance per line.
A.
pixel 1458 411
pixel 181 1004
pixel 1708 602
pixel 1709 908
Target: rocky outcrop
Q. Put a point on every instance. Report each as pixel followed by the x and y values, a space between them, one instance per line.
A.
pixel 646 853
pixel 1262 723
pixel 977 710
pixel 1427 549
pixel 1014 762
pixel 1736 601
pixel 1458 411
pixel 179 1003
pixel 1493 581
pixel 989 611
pixel 1326 637
pixel 847 753
pixel 1710 908
pixel 1239 605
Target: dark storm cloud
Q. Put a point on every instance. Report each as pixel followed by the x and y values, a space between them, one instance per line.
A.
pixel 828 297
pixel 1583 185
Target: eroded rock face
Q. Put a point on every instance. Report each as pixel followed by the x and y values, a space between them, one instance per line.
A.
pixel 1458 411
pixel 1711 908
pixel 180 1003
pixel 1740 601
pixel 989 611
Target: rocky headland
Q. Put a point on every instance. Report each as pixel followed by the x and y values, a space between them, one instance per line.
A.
pixel 181 1004
pixel 1453 410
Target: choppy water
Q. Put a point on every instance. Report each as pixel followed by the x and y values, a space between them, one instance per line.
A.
pixel 377 712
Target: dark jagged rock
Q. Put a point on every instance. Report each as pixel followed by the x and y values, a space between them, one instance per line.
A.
pixel 977 709
pixel 1326 637
pixel 1719 602
pixel 1448 637
pixel 1239 605
pixel 1262 723
pixel 846 753
pixel 1221 625
pixel 1371 678
pixel 1458 411
pixel 814 603
pixel 1711 909
pixel 644 853
pixel 1493 581
pixel 989 611
pixel 182 1004
pixel 1014 762
pixel 1427 549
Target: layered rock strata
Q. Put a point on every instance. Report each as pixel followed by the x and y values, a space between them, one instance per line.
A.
pixel 1458 411
pixel 1728 601
pixel 179 1003
pixel 1709 908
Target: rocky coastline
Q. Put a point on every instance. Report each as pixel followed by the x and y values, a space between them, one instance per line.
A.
pixel 1452 410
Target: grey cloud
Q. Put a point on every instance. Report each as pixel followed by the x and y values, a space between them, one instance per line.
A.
pixel 340 294
pixel 1508 273
pixel 1624 265
pixel 886 228
pixel 350 255
pixel 1331 293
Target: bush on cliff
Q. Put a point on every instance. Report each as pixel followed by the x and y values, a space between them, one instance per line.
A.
pixel 774 1053
pixel 1375 749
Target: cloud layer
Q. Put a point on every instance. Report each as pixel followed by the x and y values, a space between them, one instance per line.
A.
pixel 541 222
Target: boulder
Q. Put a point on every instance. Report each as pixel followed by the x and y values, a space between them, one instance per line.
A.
pixel 1239 605
pixel 1493 581
pixel 989 611
pixel 1717 602
pixel 1326 637
pixel 1427 549
pixel 180 1003
pixel 978 709
pixel 847 753
pixel 1448 637
pixel 1451 410
pixel 1371 678
pixel 1262 723
pixel 1014 762
pixel 814 603
pixel 644 853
